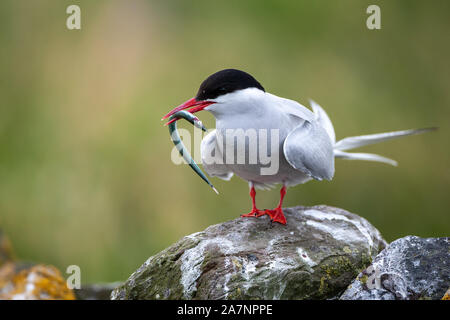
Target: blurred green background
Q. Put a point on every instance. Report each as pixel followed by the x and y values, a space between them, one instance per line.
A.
pixel 85 170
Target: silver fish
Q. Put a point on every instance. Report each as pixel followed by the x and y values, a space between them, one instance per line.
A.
pixel 172 124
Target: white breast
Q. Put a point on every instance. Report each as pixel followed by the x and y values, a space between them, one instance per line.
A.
pixel 255 113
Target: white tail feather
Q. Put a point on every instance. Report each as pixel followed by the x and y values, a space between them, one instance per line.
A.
pixel 364 156
pixel 359 141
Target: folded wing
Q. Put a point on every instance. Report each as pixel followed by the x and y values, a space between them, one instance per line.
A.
pixel 291 107
pixel 308 148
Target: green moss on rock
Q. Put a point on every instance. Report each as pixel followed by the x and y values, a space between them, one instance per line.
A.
pixel 315 256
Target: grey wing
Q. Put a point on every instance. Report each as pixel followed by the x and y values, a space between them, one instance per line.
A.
pixel 322 117
pixel 291 107
pixel 210 154
pixel 308 148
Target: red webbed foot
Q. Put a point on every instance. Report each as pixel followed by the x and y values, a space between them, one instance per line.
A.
pixel 255 213
pixel 276 215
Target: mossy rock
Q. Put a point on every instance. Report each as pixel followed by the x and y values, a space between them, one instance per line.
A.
pixel 315 256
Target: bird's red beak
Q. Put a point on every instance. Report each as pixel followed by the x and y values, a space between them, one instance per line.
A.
pixel 194 104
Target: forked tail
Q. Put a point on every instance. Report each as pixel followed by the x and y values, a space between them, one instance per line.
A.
pixel 359 141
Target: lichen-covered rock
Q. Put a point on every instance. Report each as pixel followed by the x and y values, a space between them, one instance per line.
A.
pixel 29 281
pixel 20 281
pixel 446 295
pixel 315 256
pixel 409 268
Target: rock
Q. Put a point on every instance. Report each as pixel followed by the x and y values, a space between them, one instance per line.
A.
pixel 409 268
pixel 95 291
pixel 315 256
pixel 29 281
pixel 20 281
pixel 446 295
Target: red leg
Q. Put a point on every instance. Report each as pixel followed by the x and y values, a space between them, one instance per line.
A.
pixel 255 212
pixel 277 214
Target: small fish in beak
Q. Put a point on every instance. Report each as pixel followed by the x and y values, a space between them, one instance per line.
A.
pixel 173 117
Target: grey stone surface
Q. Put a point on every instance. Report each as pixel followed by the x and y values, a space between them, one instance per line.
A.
pixel 315 256
pixel 409 268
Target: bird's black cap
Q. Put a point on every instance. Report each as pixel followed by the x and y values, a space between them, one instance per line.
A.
pixel 226 81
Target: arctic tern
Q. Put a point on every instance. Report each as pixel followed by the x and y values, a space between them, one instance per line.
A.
pixel 305 142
